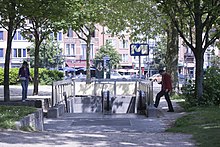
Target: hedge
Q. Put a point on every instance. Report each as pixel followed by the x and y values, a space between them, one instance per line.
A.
pixel 46 77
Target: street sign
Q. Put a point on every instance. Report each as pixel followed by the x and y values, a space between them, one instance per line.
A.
pixel 139 49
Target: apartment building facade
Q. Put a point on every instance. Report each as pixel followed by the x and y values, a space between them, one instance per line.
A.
pixel 74 51
pixel 20 49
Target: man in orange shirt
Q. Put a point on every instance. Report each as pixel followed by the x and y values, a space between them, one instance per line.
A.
pixel 165 89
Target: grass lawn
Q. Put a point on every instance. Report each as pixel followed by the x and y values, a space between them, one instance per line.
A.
pixel 10 114
pixel 203 123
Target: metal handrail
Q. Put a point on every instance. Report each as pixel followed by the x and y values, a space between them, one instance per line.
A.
pixel 69 88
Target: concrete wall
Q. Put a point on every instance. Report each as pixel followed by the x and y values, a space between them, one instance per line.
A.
pixel 116 88
pixel 33 120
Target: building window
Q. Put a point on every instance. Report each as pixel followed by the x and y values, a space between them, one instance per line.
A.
pixel 1 52
pixel 70 49
pixel 67 49
pixel 1 35
pixel 70 32
pixel 59 36
pixel 83 51
pixel 188 51
pixel 123 43
pixel 24 53
pixel 124 57
pixel 18 36
pixel 18 52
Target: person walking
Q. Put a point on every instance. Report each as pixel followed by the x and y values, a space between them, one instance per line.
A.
pixel 24 76
pixel 166 87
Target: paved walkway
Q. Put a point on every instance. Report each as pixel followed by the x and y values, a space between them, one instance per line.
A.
pixel 90 130
pixel 15 91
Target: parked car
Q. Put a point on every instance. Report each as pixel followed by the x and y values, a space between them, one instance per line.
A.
pixel 136 76
pixel 80 76
pixel 155 78
pixel 116 75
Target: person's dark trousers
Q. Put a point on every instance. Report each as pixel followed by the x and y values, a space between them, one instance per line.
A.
pixel 167 97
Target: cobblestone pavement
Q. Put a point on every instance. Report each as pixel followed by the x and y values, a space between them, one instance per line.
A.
pixel 84 131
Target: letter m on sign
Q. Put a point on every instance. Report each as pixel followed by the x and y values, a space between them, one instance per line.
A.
pixel 137 49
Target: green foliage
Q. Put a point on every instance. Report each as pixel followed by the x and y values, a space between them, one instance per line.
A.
pixel 1 76
pixel 203 123
pixel 216 60
pixel 211 86
pixel 188 92
pixel 211 94
pixel 49 52
pixel 10 114
pixel 193 19
pixel 159 54
pixel 142 20
pixel 108 50
pixel 13 74
pixel 48 76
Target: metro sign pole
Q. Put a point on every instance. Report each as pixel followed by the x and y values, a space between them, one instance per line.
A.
pixel 139 49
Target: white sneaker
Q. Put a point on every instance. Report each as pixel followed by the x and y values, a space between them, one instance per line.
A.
pixel 23 100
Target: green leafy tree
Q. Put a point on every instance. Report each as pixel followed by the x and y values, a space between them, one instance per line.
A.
pixel 111 52
pixel 159 54
pixel 49 54
pixel 197 22
pixel 45 18
pixel 10 19
pixel 144 21
pixel 83 23
pixel 216 61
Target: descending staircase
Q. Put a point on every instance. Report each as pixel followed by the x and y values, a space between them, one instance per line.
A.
pixel 93 104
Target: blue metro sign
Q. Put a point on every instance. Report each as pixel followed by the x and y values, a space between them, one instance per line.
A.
pixel 139 49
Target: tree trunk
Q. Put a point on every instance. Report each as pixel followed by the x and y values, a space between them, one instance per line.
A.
pixel 199 54
pixel 199 76
pixel 36 64
pixel 7 61
pixel 88 74
pixel 172 54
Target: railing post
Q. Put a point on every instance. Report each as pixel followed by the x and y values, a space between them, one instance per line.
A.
pixel 52 101
pixel 151 94
pixel 115 89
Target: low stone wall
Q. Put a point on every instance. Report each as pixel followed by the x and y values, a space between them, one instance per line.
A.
pixel 33 120
pixel 56 111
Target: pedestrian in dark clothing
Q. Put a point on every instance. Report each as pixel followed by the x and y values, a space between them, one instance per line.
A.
pixel 165 89
pixel 24 76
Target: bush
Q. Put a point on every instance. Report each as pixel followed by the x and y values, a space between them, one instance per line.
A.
pixel 13 74
pixel 188 93
pixel 211 86
pixel 46 77
pixel 211 91
pixel 1 76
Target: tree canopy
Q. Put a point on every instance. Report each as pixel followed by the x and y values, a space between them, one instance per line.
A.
pixel 11 19
pixel 111 52
pixel 45 18
pixel 197 22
